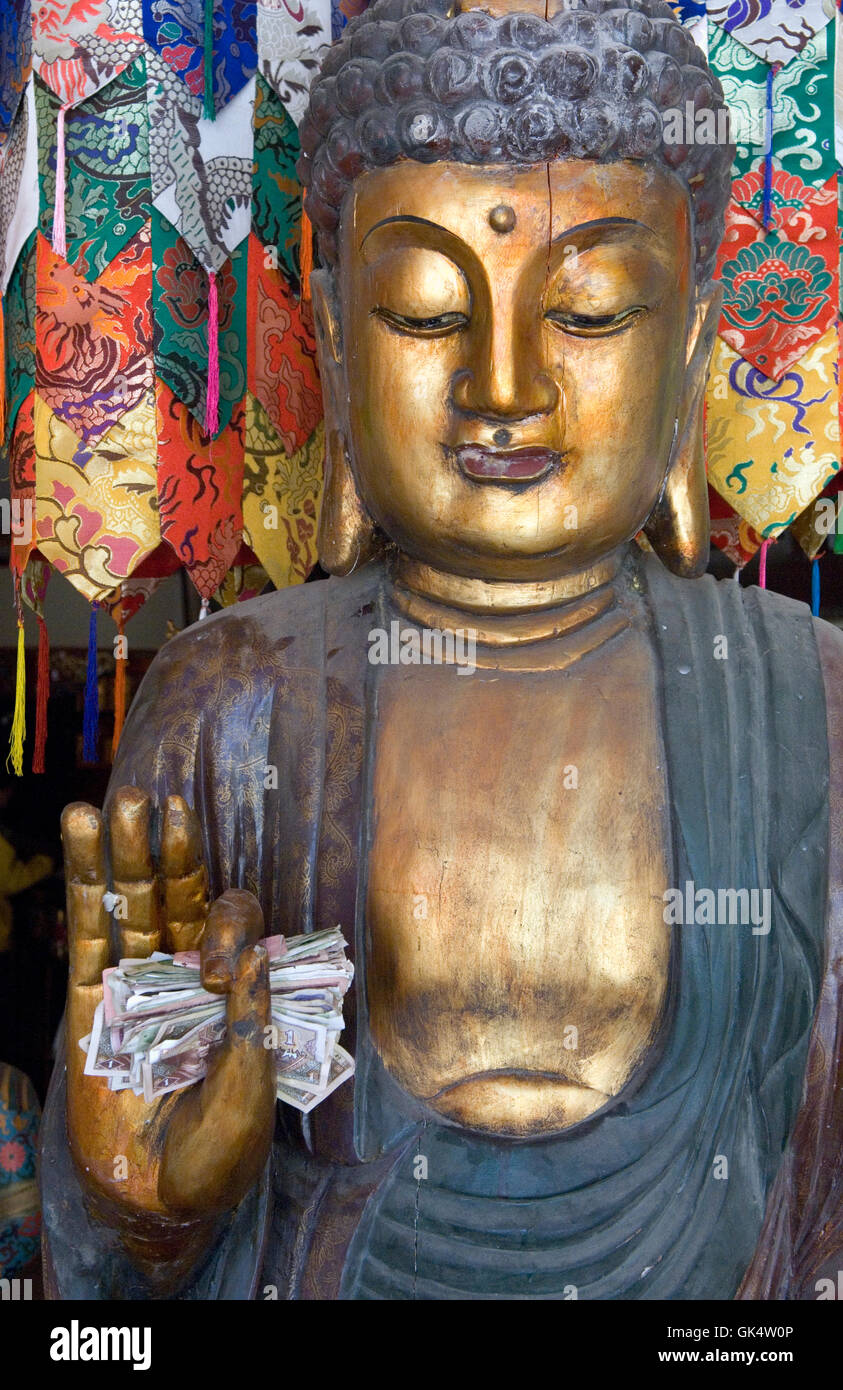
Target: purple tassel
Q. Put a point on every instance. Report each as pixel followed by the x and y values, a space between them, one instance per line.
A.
pixel 91 719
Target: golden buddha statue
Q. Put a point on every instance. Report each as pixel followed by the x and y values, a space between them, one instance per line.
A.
pixel 563 1089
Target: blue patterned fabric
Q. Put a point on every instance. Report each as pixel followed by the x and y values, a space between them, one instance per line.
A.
pixel 20 1217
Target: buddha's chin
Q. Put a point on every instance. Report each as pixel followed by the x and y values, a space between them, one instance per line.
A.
pixel 517 1105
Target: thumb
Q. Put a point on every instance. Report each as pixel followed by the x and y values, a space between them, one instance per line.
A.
pixel 234 922
pixel 247 1014
pixel 221 1131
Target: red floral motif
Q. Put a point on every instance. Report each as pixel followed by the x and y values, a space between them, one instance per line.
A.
pixel 12 1156
pixel 282 370
pixel 183 286
pixel 780 292
pixel 802 212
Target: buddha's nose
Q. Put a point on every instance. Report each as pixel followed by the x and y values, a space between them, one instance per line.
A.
pixel 505 378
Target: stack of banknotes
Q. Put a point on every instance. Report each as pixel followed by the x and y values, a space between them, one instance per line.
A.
pixel 156 1025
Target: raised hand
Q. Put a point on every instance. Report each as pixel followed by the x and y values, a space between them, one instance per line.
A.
pixel 162 1172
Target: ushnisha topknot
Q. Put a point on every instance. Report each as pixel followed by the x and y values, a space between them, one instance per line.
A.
pixel 417 79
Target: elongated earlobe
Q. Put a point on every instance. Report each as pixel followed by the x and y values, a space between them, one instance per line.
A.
pixel 678 526
pixel 347 535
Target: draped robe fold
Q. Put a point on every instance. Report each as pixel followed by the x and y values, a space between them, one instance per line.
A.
pixel 262 718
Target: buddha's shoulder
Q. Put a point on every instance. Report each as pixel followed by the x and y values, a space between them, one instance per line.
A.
pixel 255 640
pixel 707 602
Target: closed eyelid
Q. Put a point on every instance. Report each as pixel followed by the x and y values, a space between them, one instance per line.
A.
pixel 405 230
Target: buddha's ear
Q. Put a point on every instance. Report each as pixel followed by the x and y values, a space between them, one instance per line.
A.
pixel 327 318
pixel 347 536
pixel 678 526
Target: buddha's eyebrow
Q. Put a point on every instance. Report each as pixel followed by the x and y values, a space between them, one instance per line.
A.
pixel 602 230
pixel 408 230
pixel 404 219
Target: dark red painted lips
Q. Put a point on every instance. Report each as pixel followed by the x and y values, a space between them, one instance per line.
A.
pixel 504 465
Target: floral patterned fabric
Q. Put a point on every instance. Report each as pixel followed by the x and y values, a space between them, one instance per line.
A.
pixel 180 322
pixel 281 497
pixel 96 521
pixel 779 295
pixel 94 340
pixel 291 41
pixel 773 402
pixel 200 482
pixel 15 59
pixel 777 30
pixel 176 30
pixel 773 445
pixel 106 154
pixel 803 105
pixel 20 1213
pixel 80 45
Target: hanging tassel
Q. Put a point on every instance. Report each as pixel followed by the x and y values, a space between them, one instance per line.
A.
pixel 59 228
pixel 18 737
pixel 305 255
pixel 762 565
pixel 119 689
pixel 209 111
pixel 815 587
pixel 767 209
pixel 42 695
pixel 212 398
pixel 91 718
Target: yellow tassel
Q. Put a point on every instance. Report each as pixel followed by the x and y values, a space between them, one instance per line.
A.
pixel 306 255
pixel 19 722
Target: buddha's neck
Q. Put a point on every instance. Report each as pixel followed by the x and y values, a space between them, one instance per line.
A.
pixel 504 614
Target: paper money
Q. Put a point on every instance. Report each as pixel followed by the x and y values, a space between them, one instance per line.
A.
pixel 156 1027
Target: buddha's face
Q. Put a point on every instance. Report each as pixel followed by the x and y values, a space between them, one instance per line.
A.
pixel 513 351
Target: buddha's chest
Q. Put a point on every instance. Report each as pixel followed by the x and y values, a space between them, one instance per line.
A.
pixel 517 956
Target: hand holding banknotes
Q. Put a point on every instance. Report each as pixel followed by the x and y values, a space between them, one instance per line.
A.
pixel 161 1166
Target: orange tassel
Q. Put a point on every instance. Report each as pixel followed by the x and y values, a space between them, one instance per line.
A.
pixel 41 697
pixel 119 691
pixel 306 255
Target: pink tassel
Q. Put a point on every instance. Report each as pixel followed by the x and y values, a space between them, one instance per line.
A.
pixel 762 565
pixel 212 399
pixel 59 228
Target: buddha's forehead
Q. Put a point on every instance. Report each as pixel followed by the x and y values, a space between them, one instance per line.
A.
pixel 547 201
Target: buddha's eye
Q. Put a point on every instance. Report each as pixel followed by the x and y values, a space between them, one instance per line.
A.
pixel 436 326
pixel 594 325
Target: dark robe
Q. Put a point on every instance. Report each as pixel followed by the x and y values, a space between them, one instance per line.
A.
pixel 633 1203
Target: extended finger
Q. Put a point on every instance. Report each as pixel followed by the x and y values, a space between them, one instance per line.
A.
pixel 184 883
pixel 138 909
pixel 83 842
pixel 234 922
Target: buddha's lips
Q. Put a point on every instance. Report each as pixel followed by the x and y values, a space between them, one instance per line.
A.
pixel 512 465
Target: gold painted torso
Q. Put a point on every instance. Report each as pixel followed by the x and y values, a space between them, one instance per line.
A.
pixel 517 957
